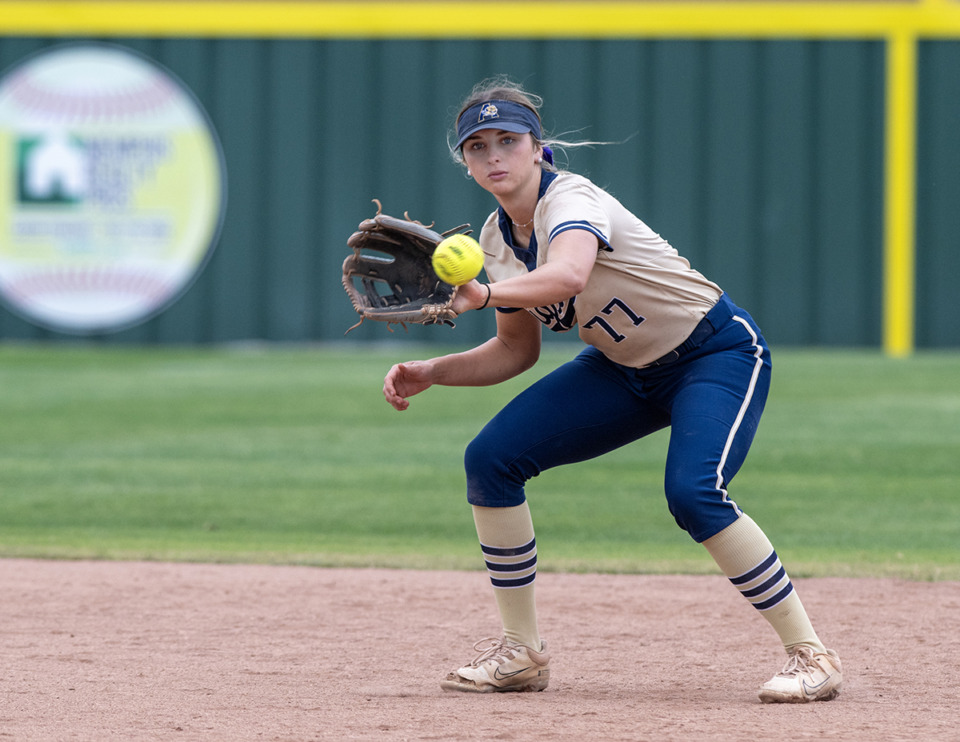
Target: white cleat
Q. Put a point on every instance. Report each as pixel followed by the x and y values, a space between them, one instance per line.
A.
pixel 809 675
pixel 501 667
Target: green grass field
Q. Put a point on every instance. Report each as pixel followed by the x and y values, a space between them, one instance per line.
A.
pixel 290 455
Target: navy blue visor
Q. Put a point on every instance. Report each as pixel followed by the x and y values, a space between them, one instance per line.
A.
pixel 503 115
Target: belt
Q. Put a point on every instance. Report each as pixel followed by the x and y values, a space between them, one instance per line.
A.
pixel 713 321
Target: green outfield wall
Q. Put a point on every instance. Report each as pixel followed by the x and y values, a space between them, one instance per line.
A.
pixel 764 157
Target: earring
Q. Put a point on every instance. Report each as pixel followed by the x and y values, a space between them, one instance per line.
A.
pixel 538 160
pixel 469 174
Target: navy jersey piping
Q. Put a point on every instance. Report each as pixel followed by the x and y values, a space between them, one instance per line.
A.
pixel 587 227
pixel 526 255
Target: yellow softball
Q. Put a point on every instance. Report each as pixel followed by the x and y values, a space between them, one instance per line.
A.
pixel 458 259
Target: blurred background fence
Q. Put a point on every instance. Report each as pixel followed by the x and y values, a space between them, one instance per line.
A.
pixel 764 157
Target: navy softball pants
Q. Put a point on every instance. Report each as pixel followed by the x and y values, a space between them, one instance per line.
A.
pixel 711 397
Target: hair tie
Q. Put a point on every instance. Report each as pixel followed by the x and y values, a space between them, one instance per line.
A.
pixel 487 301
pixel 548 154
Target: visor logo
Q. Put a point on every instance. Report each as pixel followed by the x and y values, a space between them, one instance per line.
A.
pixel 488 111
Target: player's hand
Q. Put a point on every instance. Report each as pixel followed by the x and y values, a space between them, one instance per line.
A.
pixel 471 295
pixel 406 379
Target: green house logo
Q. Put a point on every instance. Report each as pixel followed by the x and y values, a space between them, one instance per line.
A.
pixel 52 170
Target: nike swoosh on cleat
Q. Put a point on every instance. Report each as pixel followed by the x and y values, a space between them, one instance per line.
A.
pixel 812 689
pixel 503 676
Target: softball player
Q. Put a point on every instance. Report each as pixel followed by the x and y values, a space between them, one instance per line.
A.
pixel 664 347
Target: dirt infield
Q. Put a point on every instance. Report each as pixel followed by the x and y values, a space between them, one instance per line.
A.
pixel 133 651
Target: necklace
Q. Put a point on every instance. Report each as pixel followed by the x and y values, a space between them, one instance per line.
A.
pixel 522 226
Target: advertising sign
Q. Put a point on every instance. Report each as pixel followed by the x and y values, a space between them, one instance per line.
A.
pixel 112 188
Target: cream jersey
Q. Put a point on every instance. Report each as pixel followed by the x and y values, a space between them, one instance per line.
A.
pixel 642 299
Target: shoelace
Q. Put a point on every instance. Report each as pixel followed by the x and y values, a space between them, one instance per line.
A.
pixel 800 661
pixel 494 649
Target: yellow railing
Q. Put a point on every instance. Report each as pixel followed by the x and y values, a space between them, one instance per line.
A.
pixel 480 18
pixel 900 23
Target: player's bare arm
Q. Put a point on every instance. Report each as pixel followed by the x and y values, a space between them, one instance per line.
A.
pixel 514 349
pixel 565 274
